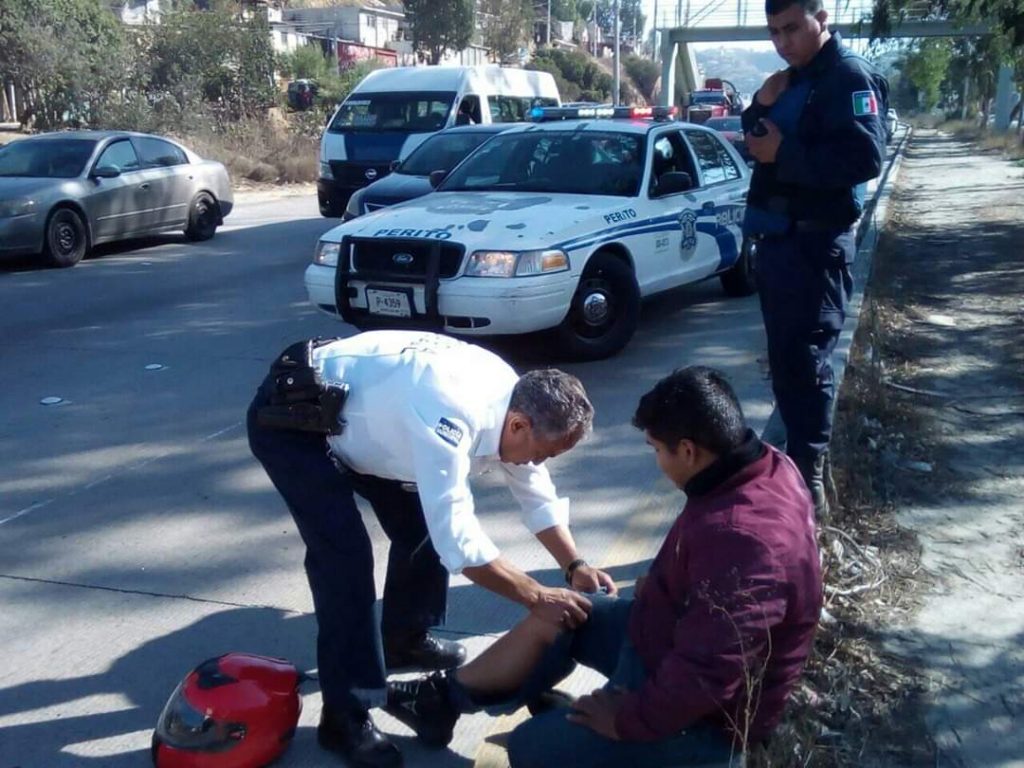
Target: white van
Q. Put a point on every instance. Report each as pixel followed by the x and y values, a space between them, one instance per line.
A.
pixel 392 110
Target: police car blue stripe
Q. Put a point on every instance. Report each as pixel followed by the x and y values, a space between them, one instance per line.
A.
pixel 642 231
pixel 571 242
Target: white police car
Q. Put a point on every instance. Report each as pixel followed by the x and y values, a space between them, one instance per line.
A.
pixel 563 225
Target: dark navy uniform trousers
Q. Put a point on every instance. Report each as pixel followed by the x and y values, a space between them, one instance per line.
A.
pixel 804 282
pixel 339 557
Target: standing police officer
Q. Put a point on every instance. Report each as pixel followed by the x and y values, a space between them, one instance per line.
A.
pixel 816 130
pixel 403 419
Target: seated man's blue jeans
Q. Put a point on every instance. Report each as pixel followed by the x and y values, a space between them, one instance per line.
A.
pixel 549 739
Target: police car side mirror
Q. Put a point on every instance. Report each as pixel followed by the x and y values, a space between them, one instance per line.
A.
pixel 673 182
pixel 436 177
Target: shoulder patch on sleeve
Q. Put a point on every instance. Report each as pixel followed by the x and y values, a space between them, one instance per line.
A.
pixel 448 431
pixel 864 103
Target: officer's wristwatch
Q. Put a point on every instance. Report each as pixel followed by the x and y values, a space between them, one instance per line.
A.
pixel 571 569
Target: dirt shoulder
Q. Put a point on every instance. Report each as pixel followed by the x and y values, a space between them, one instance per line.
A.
pixel 924 665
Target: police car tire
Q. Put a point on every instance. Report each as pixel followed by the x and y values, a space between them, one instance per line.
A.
pixel 739 280
pixel 611 279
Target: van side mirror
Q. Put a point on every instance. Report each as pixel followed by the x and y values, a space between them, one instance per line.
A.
pixel 436 177
pixel 106 172
pixel 672 183
pixel 394 165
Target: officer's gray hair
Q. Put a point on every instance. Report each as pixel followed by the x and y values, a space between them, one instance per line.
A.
pixel 555 403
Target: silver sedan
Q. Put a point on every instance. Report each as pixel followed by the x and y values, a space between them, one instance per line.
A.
pixel 63 193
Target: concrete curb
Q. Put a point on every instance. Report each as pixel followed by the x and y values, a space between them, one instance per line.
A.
pixel 869 229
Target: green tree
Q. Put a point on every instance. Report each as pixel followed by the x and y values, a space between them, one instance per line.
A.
pixel 66 59
pixel 507 27
pixel 440 25
pixel 926 68
pixel 216 57
pixel 630 17
pixel 576 74
pixel 644 73
pixel 564 10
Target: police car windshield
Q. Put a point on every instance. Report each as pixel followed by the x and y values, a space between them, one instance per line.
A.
pixel 442 152
pixel 406 112
pixel 569 162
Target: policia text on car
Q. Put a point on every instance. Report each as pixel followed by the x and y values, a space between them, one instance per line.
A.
pixel 816 132
pixel 404 419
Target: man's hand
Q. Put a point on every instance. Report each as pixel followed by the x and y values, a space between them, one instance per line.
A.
pixel 562 607
pixel 597 712
pixel 772 88
pixel 765 148
pixel 588 579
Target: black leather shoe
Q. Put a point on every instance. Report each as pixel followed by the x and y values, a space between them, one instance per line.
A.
pixel 423 705
pixel 353 735
pixel 424 652
pixel 817 476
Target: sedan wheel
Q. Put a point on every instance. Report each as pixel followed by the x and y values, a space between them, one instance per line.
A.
pixel 66 238
pixel 203 218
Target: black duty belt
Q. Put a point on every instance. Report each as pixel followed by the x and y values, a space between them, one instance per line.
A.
pixel 298 397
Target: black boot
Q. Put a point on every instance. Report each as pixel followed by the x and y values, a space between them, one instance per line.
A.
pixel 423 705
pixel 422 651
pixel 813 472
pixel 353 735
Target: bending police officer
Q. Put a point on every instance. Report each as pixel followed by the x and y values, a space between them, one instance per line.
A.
pixel 817 134
pixel 421 414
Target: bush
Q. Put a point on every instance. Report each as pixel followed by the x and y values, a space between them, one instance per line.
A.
pixel 644 74
pixel 576 71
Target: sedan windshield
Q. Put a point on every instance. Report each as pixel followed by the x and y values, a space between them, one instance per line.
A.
pixel 47 159
pixel 442 152
pixel 405 111
pixel 573 162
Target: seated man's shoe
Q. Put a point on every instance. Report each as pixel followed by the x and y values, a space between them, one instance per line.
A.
pixel 424 652
pixel 353 735
pixel 423 705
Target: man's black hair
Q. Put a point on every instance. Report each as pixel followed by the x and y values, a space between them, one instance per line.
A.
pixel 695 403
pixel 773 7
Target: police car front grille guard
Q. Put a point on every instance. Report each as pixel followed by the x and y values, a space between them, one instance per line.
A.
pixel 430 282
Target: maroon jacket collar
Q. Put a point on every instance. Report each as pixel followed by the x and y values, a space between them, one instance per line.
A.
pixel 725 466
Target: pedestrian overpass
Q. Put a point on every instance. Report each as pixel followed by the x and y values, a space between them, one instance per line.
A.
pixel 681 24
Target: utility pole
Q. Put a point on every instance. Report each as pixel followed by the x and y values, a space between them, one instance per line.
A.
pixel 549 24
pixel 616 86
pixel 654 34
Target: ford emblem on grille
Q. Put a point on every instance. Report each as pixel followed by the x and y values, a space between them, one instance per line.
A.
pixel 371 173
pixel 402 258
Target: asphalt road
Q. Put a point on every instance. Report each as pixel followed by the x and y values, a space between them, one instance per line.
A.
pixel 139 537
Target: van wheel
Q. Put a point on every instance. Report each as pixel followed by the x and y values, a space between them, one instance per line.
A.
pixel 739 280
pixel 67 240
pixel 605 310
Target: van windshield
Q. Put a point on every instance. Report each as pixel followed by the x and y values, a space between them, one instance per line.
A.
pixel 404 111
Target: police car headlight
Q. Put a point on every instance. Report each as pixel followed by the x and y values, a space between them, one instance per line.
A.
pixel 327 254
pixel 325 171
pixel 515 263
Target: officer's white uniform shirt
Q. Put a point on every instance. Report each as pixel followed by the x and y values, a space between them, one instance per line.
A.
pixel 428 409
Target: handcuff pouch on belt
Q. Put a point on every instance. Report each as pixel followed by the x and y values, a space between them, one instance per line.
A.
pixel 299 398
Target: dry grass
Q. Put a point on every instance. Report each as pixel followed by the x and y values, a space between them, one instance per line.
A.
pixel 262 151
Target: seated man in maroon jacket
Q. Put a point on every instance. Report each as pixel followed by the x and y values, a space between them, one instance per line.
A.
pixel 701 660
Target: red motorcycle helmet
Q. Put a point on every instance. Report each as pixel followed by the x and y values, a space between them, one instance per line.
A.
pixel 238 710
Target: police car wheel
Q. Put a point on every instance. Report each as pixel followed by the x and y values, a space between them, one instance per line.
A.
pixel 605 310
pixel 739 280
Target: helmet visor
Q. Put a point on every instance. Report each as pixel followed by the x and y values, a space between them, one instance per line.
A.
pixel 182 726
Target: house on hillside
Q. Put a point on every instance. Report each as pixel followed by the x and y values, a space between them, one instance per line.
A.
pixel 136 12
pixel 353 30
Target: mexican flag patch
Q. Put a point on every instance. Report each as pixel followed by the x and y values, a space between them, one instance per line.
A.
pixel 864 103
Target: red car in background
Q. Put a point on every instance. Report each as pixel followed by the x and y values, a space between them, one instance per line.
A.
pixel 731 129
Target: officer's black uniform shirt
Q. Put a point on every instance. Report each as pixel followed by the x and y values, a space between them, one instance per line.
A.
pixel 836 142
